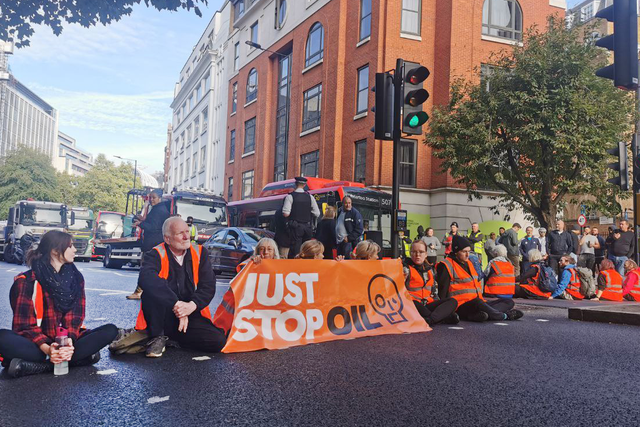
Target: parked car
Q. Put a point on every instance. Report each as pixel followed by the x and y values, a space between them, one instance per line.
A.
pixel 230 246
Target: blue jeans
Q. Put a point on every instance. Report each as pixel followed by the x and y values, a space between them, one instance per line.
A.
pixel 619 263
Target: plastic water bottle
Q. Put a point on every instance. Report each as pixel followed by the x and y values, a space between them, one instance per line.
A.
pixel 62 339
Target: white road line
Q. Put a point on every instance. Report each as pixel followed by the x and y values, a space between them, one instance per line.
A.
pixel 107 372
pixel 201 358
pixel 106 290
pixel 125 275
pixel 157 399
pixel 457 328
pixel 12 270
pixel 542 320
pixel 100 318
pixel 112 293
pixel 501 324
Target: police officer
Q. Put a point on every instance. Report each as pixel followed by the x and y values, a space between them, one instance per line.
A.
pixel 193 230
pixel 299 209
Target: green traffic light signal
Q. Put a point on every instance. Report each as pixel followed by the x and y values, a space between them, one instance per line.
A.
pixel 415 120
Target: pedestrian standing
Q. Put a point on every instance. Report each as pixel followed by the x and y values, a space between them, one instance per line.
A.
pixel 448 238
pixel 501 232
pixel 421 233
pixel 542 238
pixel 282 236
pixel 476 238
pixel 622 247
pixel 433 246
pixel 490 247
pixel 575 240
pixel 326 232
pixel 588 245
pixel 559 243
pixel 299 209
pixel 511 242
pixel 599 251
pixel 349 228
pixel 529 242
pixel 193 230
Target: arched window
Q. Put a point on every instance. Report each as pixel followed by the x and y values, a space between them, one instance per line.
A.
pixel 502 18
pixel 252 85
pixel 315 44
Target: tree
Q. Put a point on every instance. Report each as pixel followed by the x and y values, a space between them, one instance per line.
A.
pixel 105 186
pixel 18 17
pixel 26 173
pixel 537 126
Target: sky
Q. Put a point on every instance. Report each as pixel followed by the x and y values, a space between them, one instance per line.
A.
pixel 113 85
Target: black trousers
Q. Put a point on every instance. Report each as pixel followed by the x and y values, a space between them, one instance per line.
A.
pixel 298 234
pixel 345 249
pixel 438 310
pixel 494 309
pixel 587 260
pixel 201 335
pixel 14 346
pixel 553 263
pixel 432 259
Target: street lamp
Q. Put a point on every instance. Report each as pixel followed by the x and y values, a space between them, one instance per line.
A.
pixel 135 168
pixel 258 46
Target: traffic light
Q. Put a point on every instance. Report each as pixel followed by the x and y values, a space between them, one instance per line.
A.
pixel 384 112
pixel 623 42
pixel 413 96
pixel 622 180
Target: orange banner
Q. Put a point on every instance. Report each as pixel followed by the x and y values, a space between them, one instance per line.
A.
pixel 286 303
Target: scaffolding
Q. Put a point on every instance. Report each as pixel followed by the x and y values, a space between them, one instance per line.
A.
pixel 6 49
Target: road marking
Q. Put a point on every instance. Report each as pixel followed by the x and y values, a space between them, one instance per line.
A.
pixel 200 358
pixel 112 293
pixel 11 270
pixel 157 399
pixel 542 320
pixel 457 328
pixel 501 324
pixel 125 275
pixel 81 269
pixel 99 318
pixel 107 372
pixel 106 290
pixel 446 361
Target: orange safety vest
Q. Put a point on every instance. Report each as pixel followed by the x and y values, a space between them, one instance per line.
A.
pixel 635 291
pixel 223 318
pixel 463 287
pixel 573 288
pixel 196 251
pixel 532 284
pixel 503 279
pixel 418 288
pixel 37 298
pixel 613 291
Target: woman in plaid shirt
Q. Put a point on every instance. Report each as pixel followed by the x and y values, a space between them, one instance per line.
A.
pixel 29 347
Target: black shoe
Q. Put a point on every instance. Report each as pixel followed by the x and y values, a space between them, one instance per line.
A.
pixel 87 361
pixel 454 319
pixel 480 316
pixel 156 346
pixel 514 314
pixel 20 368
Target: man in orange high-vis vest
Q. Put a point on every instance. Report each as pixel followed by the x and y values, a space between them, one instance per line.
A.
pixel 178 285
pixel 457 278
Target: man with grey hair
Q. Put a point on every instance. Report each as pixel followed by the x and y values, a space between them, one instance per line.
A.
pixel 542 238
pixel 500 279
pixel 349 228
pixel 178 284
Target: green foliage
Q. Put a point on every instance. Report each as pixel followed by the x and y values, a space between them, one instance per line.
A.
pixel 26 173
pixel 18 17
pixel 105 186
pixel 539 134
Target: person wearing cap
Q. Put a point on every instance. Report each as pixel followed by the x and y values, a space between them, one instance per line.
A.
pixel 446 241
pixel 559 243
pixel 349 228
pixel 457 278
pixel 299 209
pixel 193 230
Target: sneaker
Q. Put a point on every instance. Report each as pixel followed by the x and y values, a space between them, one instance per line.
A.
pixel 156 346
pixel 20 368
pixel 87 361
pixel 135 295
pixel 480 316
pixel 123 333
pixel 514 314
pixel 454 319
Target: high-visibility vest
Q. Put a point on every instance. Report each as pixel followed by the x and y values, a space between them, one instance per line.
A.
pixel 419 288
pixel 502 280
pixel 463 287
pixel 635 291
pixel 193 231
pixel 196 252
pixel 532 284
pixel 478 246
pixel 613 291
pixel 573 288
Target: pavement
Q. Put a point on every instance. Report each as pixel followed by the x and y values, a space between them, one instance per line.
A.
pixel 543 370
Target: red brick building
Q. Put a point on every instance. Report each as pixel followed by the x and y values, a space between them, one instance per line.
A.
pixel 333 50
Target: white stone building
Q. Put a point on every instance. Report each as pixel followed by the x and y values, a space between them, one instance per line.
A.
pixel 71 159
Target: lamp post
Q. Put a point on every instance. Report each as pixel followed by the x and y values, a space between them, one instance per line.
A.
pixel 135 168
pixel 259 47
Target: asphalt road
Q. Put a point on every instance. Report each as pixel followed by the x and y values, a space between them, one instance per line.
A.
pixel 543 370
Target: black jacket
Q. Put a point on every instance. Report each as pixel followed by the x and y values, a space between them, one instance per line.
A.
pixel 353 224
pixel 624 245
pixel 326 234
pixel 179 286
pixel 152 227
pixel 282 236
pixel 559 244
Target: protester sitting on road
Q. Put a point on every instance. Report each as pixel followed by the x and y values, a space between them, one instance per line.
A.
pixel 419 281
pixel 609 286
pixel 59 290
pixel 529 281
pixel 367 250
pixel 631 284
pixel 326 232
pixel 500 279
pixel 457 278
pixel 266 248
pixel 433 245
pixel 178 285
pixel 311 249
pixel 569 281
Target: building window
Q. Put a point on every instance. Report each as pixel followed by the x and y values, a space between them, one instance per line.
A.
pixel 254 32
pixel 234 99
pixel 198 94
pixel 236 56
pixel 411 12
pixel 486 71
pixel 181 176
pixel 182 141
pixel 203 157
pixel 309 164
pixel 191 103
pixel 282 117
pixel 207 82
pixel 205 119
pixel 187 169
pixel 195 163
pixel 250 135
pixel 196 127
pixel 315 45
pixel 247 185
pixel 360 167
pixel 230 190
pixel 189 135
pixel 362 102
pixel 311 110
pixel 365 19
pixel 184 111
pixel 252 85
pixel 238 9
pixel 502 18
pixel 281 13
pixel 586 13
pixel 232 145
pixel 407 163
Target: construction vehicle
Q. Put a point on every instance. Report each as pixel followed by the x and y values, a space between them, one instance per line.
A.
pixel 208 210
pixel 108 225
pixel 81 229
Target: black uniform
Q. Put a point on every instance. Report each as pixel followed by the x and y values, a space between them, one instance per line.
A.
pixel 299 223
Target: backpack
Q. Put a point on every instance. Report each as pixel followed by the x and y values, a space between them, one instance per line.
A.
pixel 587 281
pixel 547 280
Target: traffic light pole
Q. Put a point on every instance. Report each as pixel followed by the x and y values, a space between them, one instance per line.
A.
pixel 397 133
pixel 636 173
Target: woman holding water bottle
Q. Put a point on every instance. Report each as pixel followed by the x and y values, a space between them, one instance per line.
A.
pixel 52 290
